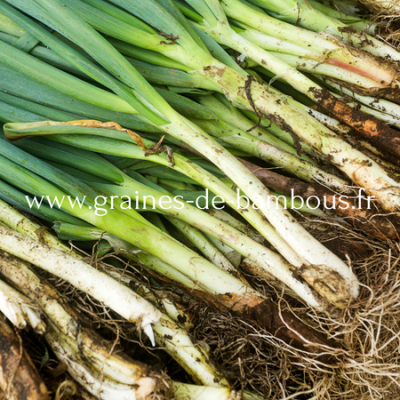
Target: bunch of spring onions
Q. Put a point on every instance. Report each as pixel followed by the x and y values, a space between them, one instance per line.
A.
pixel 88 359
pixel 218 282
pixel 59 320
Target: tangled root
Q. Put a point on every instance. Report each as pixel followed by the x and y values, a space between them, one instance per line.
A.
pixel 367 333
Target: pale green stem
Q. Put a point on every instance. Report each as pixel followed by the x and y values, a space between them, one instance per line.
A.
pixel 19 223
pixel 206 247
pixel 316 21
pixel 382 105
pixel 258 148
pixel 269 25
pixel 233 116
pixel 316 67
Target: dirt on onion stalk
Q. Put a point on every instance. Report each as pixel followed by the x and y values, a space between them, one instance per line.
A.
pixel 253 359
pixel 380 226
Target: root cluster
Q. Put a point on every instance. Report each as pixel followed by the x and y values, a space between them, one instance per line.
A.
pixel 367 334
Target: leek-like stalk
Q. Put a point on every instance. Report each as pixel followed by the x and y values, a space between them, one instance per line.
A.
pixel 208 249
pixel 314 20
pixel 102 387
pixel 382 105
pixel 239 139
pixel 388 119
pixel 176 342
pixel 232 221
pixel 327 49
pixel 71 232
pixel 230 114
pixel 187 213
pixel 82 276
pixel 214 229
pixel 219 29
pixel 328 70
pixel 66 319
pixel 128 149
pixel 297 205
pixel 76 29
pixel 274 262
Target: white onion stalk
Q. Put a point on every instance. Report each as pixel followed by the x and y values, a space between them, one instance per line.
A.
pixel 99 386
pixel 225 111
pixel 67 321
pixel 232 255
pixel 328 70
pixel 126 250
pixel 221 32
pixel 177 342
pixel 209 250
pixel 190 169
pixel 314 20
pixel 84 277
pixel 271 43
pixel 388 119
pixel 317 258
pixel 19 309
pixel 331 123
pixel 382 105
pixel 241 140
pixel 242 244
pixel 232 115
pixel 234 223
pixel 301 37
pixel 163 269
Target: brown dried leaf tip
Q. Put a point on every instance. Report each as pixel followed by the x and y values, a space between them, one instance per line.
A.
pixel 155 149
